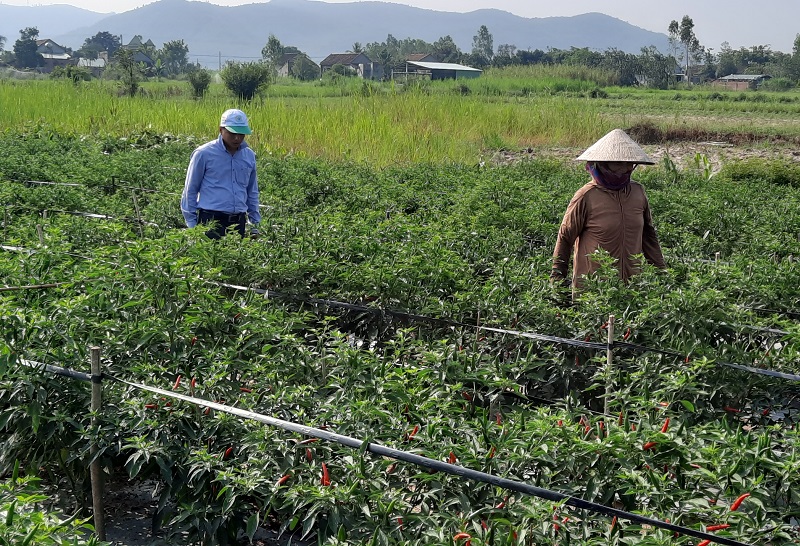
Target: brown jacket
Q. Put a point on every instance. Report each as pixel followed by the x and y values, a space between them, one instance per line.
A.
pixel 617 221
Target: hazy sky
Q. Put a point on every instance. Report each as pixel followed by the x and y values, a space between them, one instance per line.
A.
pixel 739 22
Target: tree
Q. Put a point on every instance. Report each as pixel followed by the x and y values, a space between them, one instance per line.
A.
pixel 656 68
pixel 272 51
pixel 303 69
pixel 246 80
pixel 2 42
pixel 174 56
pixel 506 55
pixel 446 50
pixel 25 53
pixel 131 72
pixel 357 48
pixel 483 44
pixel 102 41
pixel 683 32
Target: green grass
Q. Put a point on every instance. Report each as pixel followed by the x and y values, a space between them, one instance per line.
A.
pixel 419 122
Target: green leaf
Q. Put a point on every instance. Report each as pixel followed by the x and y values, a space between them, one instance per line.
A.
pixel 252 526
pixel 688 405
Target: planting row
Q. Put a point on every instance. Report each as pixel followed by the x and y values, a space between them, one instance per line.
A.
pixel 684 439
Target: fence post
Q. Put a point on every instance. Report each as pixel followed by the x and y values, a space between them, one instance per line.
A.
pixel 95 472
pixel 609 363
pixel 40 233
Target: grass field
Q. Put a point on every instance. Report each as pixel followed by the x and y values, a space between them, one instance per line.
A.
pixel 386 124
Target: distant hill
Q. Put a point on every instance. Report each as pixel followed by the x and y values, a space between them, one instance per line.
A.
pixel 215 33
pixel 50 20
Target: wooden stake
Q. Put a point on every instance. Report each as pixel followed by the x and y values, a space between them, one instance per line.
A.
pixel 138 213
pixel 609 363
pixel 95 471
pixel 40 233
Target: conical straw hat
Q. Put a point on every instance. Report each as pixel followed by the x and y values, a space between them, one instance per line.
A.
pixel 615 146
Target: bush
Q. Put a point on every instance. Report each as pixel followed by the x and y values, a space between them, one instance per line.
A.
pixel 246 80
pixel 74 73
pixel 199 80
pixel 777 84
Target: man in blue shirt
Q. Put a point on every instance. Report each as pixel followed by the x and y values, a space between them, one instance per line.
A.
pixel 221 185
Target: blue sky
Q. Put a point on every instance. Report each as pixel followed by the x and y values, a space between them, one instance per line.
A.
pixel 741 23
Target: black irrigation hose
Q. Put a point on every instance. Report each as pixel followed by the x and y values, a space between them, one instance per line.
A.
pixel 759 371
pixel 405 456
pixel 418 318
pixel 91 215
pixel 111 186
pixel 529 335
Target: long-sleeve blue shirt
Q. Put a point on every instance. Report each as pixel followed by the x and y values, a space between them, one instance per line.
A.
pixel 221 181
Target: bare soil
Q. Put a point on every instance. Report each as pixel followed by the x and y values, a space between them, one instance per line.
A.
pixel 682 146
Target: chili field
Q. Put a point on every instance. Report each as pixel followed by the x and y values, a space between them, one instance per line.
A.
pixel 684 426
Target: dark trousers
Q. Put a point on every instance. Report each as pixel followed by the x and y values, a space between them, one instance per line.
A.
pixel 221 221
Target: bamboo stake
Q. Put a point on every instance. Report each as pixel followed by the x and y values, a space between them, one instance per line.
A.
pixel 95 472
pixel 609 363
pixel 40 232
pixel 138 213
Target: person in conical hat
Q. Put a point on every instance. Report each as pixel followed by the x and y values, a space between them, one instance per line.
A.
pixel 610 212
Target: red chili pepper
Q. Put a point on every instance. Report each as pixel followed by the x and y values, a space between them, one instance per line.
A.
pixel 627 335
pixel 560 423
pixel 452 458
pixel 193 382
pixel 665 426
pixel 705 542
pixel 686 360
pixel 413 432
pixel 483 525
pixel 719 527
pixel 308 441
pixel 467 396
pixel 245 389
pixel 491 453
pixel 499 419
pixel 649 445
pixel 326 477
pixel 151 406
pixel 586 429
pixel 283 479
pixel 206 411
pixel 309 455
pixel 633 427
pixel 621 418
pixel 765 412
pixel 602 425
pixel 391 468
pixel 613 522
pixel 732 410
pixel 461 536
pixel 738 502
pixel 194 340
pixel 228 453
pixel 236 316
pixel 502 504
pixel 177 383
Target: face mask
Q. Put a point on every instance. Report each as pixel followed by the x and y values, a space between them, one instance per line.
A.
pixel 607 178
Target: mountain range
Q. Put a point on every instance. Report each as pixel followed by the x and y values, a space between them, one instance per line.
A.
pixel 215 34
